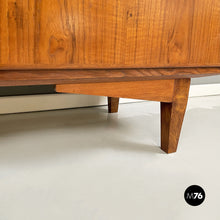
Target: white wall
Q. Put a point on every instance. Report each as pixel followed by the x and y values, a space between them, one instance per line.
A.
pixel 206 80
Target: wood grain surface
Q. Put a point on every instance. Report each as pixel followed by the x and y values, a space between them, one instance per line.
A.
pixel 48 77
pixel 113 104
pixel 155 90
pixel 69 34
pixel 172 115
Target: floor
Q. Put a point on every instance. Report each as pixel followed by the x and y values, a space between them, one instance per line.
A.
pixel 84 164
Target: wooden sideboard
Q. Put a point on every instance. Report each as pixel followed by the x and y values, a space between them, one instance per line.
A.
pixel 139 49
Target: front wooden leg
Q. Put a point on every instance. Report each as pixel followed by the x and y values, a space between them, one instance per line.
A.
pixel 113 104
pixel 172 115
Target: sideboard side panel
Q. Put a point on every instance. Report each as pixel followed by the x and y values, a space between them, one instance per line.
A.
pixel 109 34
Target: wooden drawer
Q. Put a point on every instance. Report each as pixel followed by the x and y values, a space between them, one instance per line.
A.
pixel 53 34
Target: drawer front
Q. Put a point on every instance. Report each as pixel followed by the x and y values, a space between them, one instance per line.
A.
pixel 109 34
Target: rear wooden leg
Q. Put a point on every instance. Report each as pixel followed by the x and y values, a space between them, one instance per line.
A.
pixel 172 115
pixel 113 104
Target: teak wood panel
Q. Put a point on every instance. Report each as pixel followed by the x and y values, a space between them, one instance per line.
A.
pixel 155 90
pixel 47 77
pixel 109 34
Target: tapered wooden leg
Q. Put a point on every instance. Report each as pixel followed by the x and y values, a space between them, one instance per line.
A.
pixel 113 104
pixel 172 115
pixel 172 93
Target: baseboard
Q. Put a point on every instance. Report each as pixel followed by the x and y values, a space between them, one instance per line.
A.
pixel 204 90
pixel 30 103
